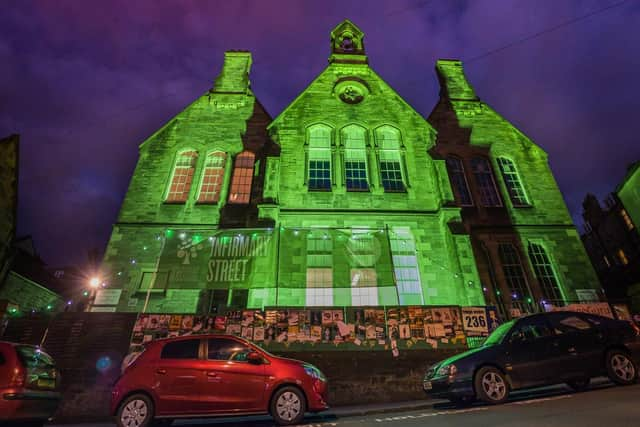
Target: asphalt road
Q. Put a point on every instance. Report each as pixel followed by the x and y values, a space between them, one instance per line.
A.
pixel 603 406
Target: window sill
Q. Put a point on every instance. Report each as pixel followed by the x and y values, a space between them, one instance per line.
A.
pixel 319 190
pixel 396 191
pixel 207 203
pixel 174 202
pixel 358 190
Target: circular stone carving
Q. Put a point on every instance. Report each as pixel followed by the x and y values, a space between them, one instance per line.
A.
pixel 351 91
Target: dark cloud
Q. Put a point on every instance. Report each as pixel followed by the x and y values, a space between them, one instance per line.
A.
pixel 85 82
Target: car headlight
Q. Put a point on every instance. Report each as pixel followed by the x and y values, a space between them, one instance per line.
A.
pixel 447 370
pixel 314 372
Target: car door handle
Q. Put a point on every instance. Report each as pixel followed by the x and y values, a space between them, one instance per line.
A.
pixel 572 350
pixel 212 374
pixel 161 371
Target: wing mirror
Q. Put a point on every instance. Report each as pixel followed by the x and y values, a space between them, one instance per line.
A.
pixel 254 358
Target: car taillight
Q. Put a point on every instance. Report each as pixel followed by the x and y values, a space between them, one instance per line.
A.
pixel 18 379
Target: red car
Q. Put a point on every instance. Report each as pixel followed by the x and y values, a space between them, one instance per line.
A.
pixel 214 375
pixel 29 384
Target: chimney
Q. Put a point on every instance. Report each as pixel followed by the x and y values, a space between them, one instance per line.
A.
pixel 453 83
pixel 234 77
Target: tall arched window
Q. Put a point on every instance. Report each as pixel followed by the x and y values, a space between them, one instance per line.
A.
pixel 391 174
pixel 242 177
pixel 182 178
pixel 486 184
pixel 212 177
pixel 545 273
pixel 512 181
pixel 459 181
pixel 319 158
pixel 355 158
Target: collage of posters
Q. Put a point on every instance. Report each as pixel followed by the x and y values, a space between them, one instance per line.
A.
pixel 356 328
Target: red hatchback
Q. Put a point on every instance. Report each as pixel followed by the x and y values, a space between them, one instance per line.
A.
pixel 214 375
pixel 29 384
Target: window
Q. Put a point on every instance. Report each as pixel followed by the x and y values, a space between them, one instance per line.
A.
pixel 405 266
pixel 459 181
pixel 531 329
pixel 319 279
pixel 512 181
pixel 545 272
pixel 361 248
pixel 319 158
pixel 390 159
pixel 627 219
pixel 564 324
pixel 212 177
pixel 154 281
pixel 184 349
pixel 355 158
pixel 182 177
pixel 227 349
pixel 514 275
pixel 622 257
pixel 484 178
pixel 242 176
pixel 239 297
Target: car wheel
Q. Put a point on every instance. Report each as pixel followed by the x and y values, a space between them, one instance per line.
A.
pixel 288 406
pixel 491 385
pixel 620 368
pixel 135 411
pixel 580 384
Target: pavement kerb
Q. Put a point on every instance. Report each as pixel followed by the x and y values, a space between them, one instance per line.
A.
pixel 372 409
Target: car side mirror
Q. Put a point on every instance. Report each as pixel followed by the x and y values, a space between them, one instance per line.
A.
pixel 254 358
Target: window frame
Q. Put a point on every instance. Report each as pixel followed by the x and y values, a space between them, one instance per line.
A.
pixel 364 151
pixel 192 170
pixel 480 184
pixel 309 148
pixel 514 184
pixel 205 168
pixel 240 180
pixel 550 265
pixel 401 161
pixel 464 180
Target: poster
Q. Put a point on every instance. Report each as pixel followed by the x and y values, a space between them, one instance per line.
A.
pixel 599 308
pixel 475 321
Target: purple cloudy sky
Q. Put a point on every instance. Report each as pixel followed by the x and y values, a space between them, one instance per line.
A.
pixel 84 82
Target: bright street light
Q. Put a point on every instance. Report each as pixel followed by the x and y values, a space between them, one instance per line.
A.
pixel 94 282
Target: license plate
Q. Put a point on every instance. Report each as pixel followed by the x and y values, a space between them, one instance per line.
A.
pixel 46 383
pixel 427 385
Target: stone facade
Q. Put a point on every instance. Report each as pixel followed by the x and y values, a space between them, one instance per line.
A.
pixel 526 208
pixel 343 199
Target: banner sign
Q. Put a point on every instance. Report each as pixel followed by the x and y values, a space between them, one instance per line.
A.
pixel 221 259
pixel 599 308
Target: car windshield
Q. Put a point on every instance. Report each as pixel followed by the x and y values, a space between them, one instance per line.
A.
pixel 497 335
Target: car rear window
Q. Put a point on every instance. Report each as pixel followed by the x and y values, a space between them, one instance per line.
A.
pixel 184 349
pixel 33 357
pixel 572 323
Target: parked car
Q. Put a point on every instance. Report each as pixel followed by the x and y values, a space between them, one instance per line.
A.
pixel 537 350
pixel 29 384
pixel 214 375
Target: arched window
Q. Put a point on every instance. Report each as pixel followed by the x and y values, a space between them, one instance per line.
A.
pixel 459 181
pixel 512 181
pixel 212 177
pixel 319 158
pixel 182 178
pixel 545 273
pixel 390 159
pixel 242 176
pixel 355 158
pixel 486 184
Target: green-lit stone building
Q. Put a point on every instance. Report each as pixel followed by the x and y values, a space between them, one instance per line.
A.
pixel 349 197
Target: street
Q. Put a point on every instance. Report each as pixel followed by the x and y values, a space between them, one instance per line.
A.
pixel 603 405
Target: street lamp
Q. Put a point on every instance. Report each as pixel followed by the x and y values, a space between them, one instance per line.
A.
pixel 94 284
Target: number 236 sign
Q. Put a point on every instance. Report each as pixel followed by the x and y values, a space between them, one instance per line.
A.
pixel 475 320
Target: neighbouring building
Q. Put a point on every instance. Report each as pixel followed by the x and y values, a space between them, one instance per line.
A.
pixel 349 197
pixel 25 285
pixel 612 239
